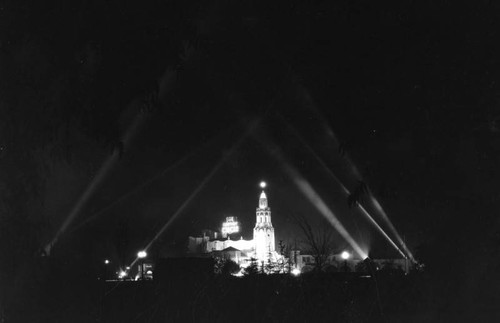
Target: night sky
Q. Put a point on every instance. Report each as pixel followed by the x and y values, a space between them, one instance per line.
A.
pixel 409 89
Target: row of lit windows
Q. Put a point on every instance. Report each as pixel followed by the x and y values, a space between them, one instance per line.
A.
pixel 230 229
pixel 260 218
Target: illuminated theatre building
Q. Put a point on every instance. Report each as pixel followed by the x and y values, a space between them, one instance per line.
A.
pixel 261 248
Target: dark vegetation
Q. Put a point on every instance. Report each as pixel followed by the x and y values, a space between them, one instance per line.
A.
pixel 272 298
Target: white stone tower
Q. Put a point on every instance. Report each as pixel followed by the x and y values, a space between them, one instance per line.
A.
pixel 263 233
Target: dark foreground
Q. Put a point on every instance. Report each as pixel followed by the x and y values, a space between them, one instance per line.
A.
pixel 261 298
pixel 59 291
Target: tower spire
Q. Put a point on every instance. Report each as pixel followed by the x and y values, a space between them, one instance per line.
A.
pixel 263 200
pixel 263 233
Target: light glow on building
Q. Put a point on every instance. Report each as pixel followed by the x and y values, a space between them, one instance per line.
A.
pixel 230 226
pixel 263 233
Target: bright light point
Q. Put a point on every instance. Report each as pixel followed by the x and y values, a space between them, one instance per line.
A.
pixel 296 271
pixel 263 184
pixel 142 254
pixel 345 255
pixel 106 261
pixel 122 274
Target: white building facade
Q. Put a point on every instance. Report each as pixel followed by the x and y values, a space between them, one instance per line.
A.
pixel 261 247
pixel 263 233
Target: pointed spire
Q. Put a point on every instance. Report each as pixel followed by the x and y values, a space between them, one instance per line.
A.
pixel 263 197
pixel 263 200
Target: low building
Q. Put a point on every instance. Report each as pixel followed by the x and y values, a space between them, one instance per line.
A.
pixel 341 262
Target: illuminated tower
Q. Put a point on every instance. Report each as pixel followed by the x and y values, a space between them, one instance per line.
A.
pixel 263 233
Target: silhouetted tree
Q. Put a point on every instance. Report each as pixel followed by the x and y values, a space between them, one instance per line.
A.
pixel 365 266
pixel 319 240
pixel 230 267
pixel 253 268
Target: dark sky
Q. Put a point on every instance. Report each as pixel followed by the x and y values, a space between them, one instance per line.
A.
pixel 410 90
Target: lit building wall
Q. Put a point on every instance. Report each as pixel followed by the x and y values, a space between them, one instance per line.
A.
pixel 262 247
pixel 197 244
pixel 218 245
pixel 263 233
pixel 243 245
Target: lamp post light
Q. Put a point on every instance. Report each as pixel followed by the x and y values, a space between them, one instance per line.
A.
pixel 345 255
pixel 296 271
pixel 122 274
pixel 142 254
pixel 106 262
pixel 105 269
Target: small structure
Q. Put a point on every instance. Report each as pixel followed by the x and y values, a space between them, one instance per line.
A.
pixel 230 253
pixel 342 262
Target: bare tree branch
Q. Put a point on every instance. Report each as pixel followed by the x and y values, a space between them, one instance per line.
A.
pixel 318 239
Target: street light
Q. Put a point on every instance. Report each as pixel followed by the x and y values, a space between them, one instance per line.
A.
pixel 105 269
pixel 263 184
pixel 122 274
pixel 345 255
pixel 142 254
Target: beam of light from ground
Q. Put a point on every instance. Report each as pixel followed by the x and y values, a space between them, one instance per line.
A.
pixel 196 191
pixel 391 227
pixel 314 198
pixel 101 174
pixel 377 205
pixel 96 181
pixel 346 191
pixel 141 186
pixel 350 164
pixel 309 102
pixel 354 170
pixel 320 205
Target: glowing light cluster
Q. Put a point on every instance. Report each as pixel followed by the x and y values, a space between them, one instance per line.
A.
pixel 231 225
